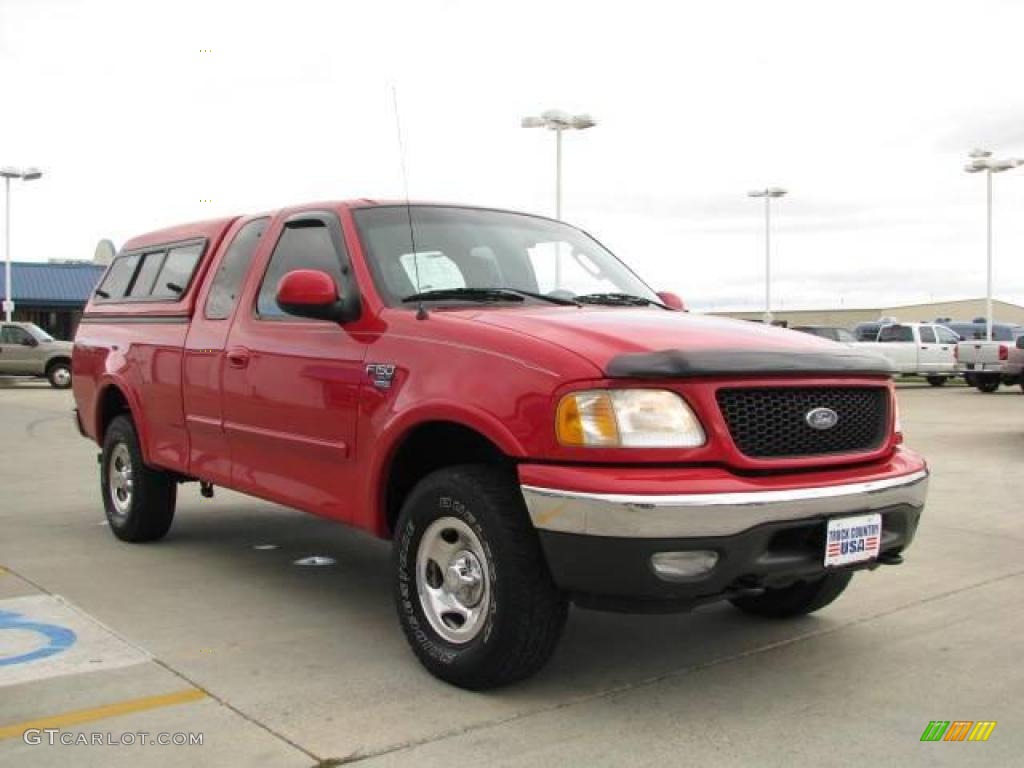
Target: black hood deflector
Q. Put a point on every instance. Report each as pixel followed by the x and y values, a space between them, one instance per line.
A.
pixel 679 363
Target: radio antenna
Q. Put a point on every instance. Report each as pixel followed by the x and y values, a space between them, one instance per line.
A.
pixel 421 312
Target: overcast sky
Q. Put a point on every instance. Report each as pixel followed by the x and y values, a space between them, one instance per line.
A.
pixel 863 110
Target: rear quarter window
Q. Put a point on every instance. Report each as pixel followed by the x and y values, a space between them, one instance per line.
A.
pixel 160 273
pixel 146 276
pixel 176 273
pixel 119 277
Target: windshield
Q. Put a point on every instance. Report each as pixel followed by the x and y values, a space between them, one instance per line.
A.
pixel 465 248
pixel 38 332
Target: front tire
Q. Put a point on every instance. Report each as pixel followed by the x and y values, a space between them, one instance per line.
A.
pixel 139 501
pixel 797 599
pixel 474 594
pixel 937 381
pixel 59 375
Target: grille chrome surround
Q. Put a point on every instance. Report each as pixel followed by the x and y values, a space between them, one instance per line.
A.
pixel 772 423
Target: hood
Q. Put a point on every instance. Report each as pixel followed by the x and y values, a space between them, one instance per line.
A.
pixel 648 342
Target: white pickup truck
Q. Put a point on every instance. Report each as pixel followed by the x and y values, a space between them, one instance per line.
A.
pixel 924 349
pixel 987 364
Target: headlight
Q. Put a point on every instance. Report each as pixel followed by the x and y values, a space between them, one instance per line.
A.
pixel 628 418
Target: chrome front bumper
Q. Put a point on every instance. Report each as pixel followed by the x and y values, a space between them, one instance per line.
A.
pixel 709 514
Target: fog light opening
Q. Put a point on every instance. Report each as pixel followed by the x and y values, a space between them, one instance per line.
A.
pixel 683 566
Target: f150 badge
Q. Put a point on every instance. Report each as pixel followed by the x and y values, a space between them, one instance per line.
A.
pixel 381 374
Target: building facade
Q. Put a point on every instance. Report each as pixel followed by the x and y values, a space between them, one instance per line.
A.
pixel 962 311
pixel 52 295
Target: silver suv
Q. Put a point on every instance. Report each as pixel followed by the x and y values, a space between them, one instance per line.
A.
pixel 28 350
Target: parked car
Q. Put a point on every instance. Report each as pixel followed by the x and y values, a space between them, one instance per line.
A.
pixel 831 332
pixel 987 364
pixel 537 427
pixel 976 330
pixel 923 349
pixel 28 350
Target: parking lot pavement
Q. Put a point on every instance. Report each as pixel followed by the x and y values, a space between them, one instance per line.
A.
pixel 281 665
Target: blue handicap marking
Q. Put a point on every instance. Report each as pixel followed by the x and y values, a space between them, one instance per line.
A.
pixel 60 638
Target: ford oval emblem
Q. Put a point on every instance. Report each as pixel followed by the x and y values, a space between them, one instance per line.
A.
pixel 821 418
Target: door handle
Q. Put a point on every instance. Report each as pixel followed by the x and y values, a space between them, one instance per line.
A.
pixel 238 357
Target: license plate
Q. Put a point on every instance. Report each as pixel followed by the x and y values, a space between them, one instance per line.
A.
pixel 852 539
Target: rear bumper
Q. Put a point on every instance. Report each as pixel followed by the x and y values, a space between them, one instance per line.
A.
pixel 1002 368
pixel 599 545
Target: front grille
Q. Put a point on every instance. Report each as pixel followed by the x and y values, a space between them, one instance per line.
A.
pixel 771 422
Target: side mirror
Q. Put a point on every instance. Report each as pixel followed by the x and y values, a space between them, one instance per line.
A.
pixel 29 342
pixel 671 300
pixel 310 293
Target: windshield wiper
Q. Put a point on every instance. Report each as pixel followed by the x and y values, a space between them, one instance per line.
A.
pixel 485 294
pixel 618 300
pixel 465 294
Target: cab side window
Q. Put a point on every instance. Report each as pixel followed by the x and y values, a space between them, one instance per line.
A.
pixel 896 333
pixel 927 334
pixel 12 334
pixel 232 270
pixel 946 336
pixel 303 245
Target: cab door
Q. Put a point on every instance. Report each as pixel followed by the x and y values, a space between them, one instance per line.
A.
pixel 18 352
pixel 898 343
pixel 291 385
pixel 947 348
pixel 209 453
pixel 929 350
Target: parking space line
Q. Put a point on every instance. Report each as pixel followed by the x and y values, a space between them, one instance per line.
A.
pixel 101 713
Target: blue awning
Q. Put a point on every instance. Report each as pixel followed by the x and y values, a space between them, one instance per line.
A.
pixel 51 285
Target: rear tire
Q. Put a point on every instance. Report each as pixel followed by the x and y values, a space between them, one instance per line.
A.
pixel 59 374
pixel 473 591
pixel 987 384
pixel 797 599
pixel 937 381
pixel 139 501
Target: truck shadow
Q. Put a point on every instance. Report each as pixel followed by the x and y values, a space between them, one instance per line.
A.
pixel 352 600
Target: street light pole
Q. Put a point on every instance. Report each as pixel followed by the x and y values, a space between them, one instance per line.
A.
pixel 983 162
pixel 988 255
pixel 8 173
pixel 558 173
pixel 767 193
pixel 558 121
pixel 8 302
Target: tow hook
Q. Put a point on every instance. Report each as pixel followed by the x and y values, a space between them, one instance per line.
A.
pixel 206 489
pixel 747 586
pixel 890 558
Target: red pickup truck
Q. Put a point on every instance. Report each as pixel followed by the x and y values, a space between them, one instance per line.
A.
pixel 526 420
